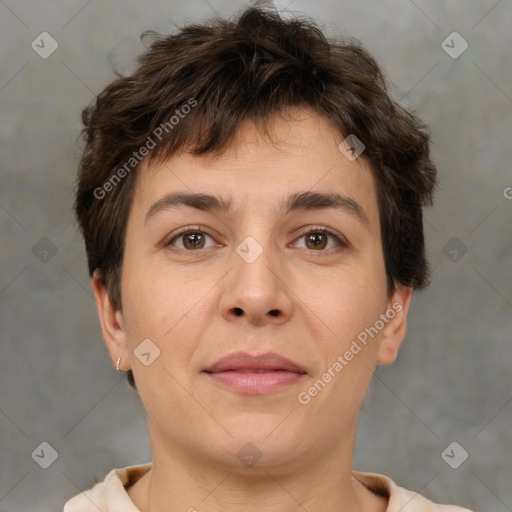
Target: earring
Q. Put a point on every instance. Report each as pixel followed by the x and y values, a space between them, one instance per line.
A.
pixel 117 364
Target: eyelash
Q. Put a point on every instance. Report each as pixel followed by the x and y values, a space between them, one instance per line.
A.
pixel 198 229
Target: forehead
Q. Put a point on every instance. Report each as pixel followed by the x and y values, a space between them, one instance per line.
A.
pixel 299 152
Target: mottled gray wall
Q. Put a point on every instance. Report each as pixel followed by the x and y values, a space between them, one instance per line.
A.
pixel 452 381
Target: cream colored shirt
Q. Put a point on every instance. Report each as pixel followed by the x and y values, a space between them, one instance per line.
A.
pixel 111 496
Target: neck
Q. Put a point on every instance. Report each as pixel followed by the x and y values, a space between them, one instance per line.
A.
pixel 181 482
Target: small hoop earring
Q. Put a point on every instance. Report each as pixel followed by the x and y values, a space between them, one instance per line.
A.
pixel 117 364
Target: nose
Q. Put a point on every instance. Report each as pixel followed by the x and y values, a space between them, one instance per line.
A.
pixel 255 290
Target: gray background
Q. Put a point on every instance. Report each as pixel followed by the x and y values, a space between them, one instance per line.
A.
pixel 453 379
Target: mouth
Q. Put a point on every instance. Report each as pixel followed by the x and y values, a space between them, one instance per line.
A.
pixel 255 375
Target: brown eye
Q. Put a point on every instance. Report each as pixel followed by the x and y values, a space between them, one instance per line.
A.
pixel 316 240
pixel 191 240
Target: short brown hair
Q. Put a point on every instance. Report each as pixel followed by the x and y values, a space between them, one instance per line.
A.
pixel 232 71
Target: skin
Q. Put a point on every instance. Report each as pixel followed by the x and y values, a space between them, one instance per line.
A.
pixel 303 302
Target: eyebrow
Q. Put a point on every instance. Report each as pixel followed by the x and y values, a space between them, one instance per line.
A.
pixel 299 201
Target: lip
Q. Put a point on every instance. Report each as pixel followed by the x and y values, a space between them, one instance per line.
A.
pixel 255 375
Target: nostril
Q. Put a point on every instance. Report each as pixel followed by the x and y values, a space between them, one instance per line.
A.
pixel 238 311
pixel 274 312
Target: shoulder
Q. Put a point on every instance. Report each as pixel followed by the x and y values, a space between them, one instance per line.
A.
pixel 109 495
pixel 401 499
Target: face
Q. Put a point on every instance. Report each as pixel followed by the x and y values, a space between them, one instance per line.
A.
pixel 281 273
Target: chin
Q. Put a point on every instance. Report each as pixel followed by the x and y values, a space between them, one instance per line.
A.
pixel 262 440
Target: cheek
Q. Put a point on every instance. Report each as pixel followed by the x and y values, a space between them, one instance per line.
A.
pixel 146 308
pixel 348 349
pixel 344 303
pixel 163 307
pixel 151 293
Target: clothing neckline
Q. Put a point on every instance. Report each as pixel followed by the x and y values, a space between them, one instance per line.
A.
pixel 375 483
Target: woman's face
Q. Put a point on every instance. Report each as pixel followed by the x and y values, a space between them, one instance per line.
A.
pixel 251 280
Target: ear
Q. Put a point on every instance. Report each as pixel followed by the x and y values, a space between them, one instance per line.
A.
pixel 111 320
pixel 393 333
